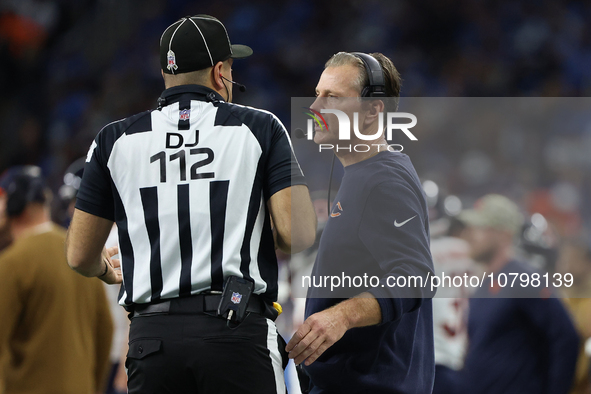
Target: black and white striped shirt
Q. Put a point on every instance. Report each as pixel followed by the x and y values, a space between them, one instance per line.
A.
pixel 187 185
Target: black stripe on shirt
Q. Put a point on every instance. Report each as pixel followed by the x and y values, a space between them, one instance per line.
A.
pixel 218 197
pixel 267 259
pixel 125 248
pixel 251 217
pixel 184 104
pixel 149 196
pixel 185 241
pixel 141 125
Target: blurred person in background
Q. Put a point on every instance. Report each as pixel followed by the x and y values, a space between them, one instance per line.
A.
pixel 68 191
pixel 117 382
pixel 575 259
pixel 56 326
pixel 451 257
pixel 516 345
pixel 5 237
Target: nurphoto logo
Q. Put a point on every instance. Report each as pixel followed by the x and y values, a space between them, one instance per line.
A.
pixel 344 132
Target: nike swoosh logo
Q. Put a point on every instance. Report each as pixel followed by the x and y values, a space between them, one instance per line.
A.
pixel 396 224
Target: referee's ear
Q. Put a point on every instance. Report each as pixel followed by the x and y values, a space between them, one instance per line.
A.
pixel 216 77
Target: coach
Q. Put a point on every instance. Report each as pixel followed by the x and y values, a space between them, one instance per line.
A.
pixel 201 190
pixel 380 341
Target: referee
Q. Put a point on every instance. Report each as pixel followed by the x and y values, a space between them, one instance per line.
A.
pixel 202 191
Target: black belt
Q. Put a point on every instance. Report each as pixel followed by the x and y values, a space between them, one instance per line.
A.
pixel 199 303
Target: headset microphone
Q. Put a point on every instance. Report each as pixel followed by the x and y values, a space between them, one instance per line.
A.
pixel 299 133
pixel 240 86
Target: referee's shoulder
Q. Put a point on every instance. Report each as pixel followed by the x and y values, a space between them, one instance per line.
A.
pixel 229 113
pixel 132 124
pixel 108 136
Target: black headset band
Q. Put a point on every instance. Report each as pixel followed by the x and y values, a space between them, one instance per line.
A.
pixel 375 74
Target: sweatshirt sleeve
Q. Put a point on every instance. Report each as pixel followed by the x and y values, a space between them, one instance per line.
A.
pixel 394 228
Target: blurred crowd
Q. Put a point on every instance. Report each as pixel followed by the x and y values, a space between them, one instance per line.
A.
pixel 69 67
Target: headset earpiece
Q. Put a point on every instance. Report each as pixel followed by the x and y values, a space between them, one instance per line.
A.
pixel 377 81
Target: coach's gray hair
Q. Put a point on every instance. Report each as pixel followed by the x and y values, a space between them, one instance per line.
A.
pixel 347 59
pixel 392 78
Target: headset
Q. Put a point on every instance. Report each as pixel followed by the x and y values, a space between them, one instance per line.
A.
pixel 240 86
pixel 22 185
pixel 375 73
pixel 375 88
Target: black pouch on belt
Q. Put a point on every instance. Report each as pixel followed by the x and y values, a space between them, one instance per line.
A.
pixel 235 299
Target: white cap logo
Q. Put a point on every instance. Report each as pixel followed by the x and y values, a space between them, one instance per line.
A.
pixel 171 61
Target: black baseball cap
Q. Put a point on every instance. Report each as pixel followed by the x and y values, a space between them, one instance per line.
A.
pixel 22 185
pixel 196 42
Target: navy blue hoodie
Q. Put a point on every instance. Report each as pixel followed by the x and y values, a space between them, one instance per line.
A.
pixel 379 227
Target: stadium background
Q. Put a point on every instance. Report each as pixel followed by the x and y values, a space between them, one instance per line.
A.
pixel 68 67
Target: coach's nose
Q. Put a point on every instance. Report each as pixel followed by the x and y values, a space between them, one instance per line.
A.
pixel 319 103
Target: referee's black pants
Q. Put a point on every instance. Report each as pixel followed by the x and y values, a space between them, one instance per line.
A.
pixel 199 354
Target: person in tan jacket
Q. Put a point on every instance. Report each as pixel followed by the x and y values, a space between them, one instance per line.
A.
pixel 55 326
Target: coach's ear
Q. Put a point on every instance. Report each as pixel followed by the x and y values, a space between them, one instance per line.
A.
pixel 374 111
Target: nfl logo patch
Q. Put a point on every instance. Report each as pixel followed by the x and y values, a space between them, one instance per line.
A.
pixel 171 61
pixel 184 114
pixel 236 298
